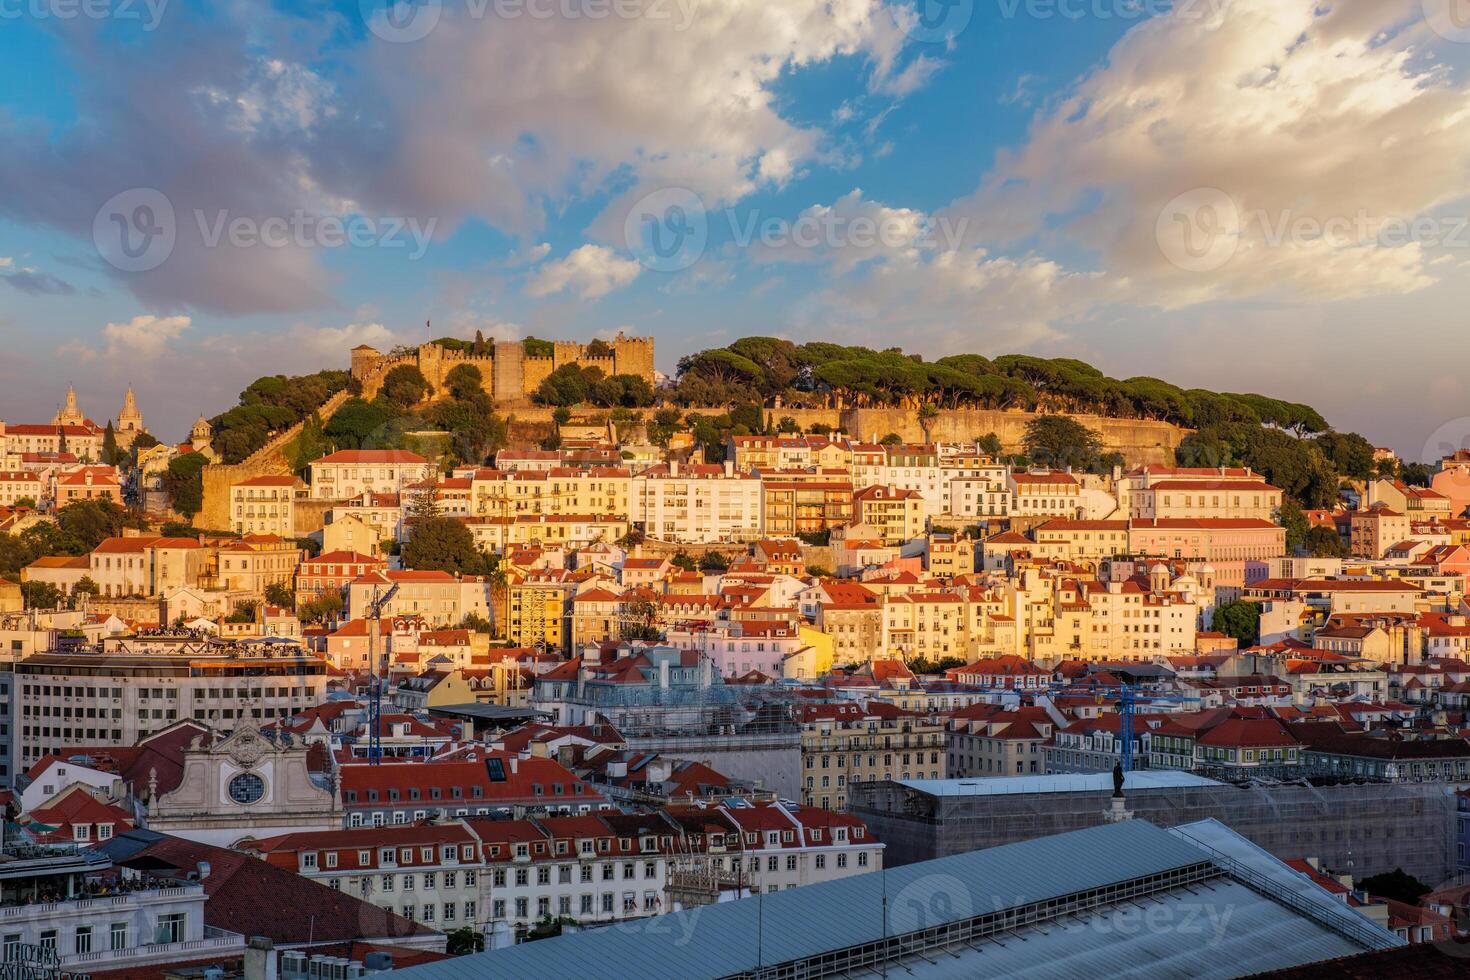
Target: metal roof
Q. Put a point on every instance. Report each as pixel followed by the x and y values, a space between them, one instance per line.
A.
pixel 1218 929
pixel 1082 782
pixel 719 940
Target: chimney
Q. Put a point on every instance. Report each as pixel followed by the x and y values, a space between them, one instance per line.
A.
pixel 729 467
pixel 260 959
pixel 515 767
pixel 663 674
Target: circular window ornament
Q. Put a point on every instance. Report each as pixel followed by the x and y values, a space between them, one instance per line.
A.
pixel 247 788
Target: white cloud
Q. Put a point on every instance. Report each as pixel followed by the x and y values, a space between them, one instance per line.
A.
pixel 265 114
pixel 846 233
pixel 1297 111
pixel 143 338
pixel 590 271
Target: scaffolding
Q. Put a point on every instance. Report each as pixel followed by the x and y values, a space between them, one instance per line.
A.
pixel 1354 828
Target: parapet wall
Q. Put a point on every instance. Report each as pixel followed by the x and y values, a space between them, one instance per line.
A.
pixel 1141 441
pixel 510 377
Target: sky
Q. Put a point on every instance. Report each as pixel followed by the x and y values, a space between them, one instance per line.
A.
pixel 1246 195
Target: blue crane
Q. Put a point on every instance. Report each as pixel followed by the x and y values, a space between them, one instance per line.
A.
pixel 1128 700
pixel 374 619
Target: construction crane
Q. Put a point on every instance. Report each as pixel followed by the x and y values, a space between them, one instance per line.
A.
pixel 379 671
pixel 1128 700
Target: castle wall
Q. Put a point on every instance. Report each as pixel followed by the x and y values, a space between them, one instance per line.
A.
pixel 509 377
pixel 1141 441
pixel 509 373
pixel 269 460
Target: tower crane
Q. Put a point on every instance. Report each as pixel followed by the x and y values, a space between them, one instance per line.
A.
pixel 379 671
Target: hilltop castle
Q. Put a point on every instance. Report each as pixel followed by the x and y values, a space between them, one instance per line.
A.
pixel 510 374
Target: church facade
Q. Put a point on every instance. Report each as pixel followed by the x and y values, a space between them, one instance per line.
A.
pixel 246 785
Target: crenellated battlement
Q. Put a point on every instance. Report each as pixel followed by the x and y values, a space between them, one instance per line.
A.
pixel 510 376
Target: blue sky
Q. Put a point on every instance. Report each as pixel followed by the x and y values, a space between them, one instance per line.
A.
pixel 977 175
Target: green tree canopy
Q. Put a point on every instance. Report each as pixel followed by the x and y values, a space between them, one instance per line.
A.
pixel 359 424
pixel 1323 542
pixel 90 522
pixel 1059 442
pixel 464 381
pixel 443 544
pixel 405 386
pixel 1349 453
pixel 568 385
pixel 1240 619
pixel 183 482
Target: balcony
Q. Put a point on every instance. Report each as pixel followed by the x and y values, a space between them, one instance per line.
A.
pixel 215 941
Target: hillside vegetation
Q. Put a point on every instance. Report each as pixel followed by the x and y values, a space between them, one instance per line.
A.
pixel 1288 442
pixel 816 374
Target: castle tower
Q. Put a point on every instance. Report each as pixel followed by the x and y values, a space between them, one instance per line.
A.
pixel 364 360
pixel 71 414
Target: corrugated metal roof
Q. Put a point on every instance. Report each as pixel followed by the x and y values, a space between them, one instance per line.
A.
pixel 1081 782
pixel 1218 929
pixel 719 940
pixel 1251 859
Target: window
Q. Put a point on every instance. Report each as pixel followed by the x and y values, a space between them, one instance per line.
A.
pixel 118 932
pixel 83 940
pixel 171 927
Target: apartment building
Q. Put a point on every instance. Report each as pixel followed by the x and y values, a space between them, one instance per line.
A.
pixel 265 505
pixel 537 610
pixel 436 597
pixel 257 561
pixel 500 783
pixel 697 504
pixel 925 624
pixel 351 473
pixel 915 468
pixel 18 485
pixel 853 617
pixel 134 687
pixel 427 873
pixel 331 572
pixel 985 740
pixel 805 505
pixel 1044 494
pixel 896 514
pixel 846 743
pixel 1084 542
pixel 562 530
